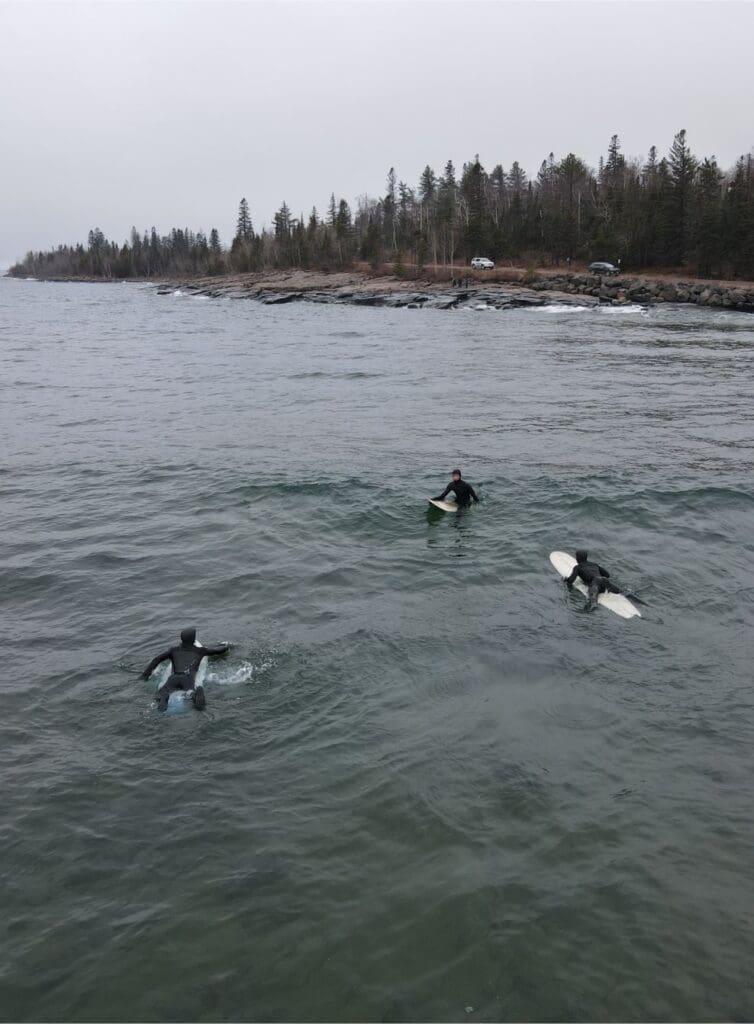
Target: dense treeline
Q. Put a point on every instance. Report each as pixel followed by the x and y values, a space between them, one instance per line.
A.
pixel 671 212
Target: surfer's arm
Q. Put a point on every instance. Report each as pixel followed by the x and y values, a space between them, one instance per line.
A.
pixel 472 492
pixel 215 649
pixel 570 580
pixel 441 497
pixel 604 572
pixel 154 663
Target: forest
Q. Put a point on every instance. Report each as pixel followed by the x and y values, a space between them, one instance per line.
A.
pixel 675 212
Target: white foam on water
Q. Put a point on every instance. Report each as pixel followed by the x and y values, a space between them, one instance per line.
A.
pixel 601 309
pixel 177 293
pixel 560 308
pixel 245 672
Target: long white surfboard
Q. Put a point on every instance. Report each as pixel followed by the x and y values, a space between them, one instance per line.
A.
pixel 446 506
pixel 618 603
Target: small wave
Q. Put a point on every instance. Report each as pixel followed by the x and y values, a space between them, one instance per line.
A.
pixel 620 309
pixel 317 374
pixel 177 293
pixel 78 423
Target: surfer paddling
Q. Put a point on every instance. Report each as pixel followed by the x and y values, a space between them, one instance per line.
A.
pixel 596 578
pixel 464 492
pixel 185 658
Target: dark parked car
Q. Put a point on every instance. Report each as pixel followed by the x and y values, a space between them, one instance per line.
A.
pixel 604 268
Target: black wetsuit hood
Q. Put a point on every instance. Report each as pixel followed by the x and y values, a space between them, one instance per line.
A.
pixel 188 637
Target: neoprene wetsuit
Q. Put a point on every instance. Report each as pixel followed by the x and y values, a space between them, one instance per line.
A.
pixel 595 577
pixel 464 493
pixel 185 659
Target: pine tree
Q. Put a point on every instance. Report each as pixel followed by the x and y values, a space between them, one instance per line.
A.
pixel 665 231
pixel 428 210
pixel 706 229
pixel 739 218
pixel 343 228
pixel 447 212
pixel 244 229
pixel 389 212
pixel 682 167
pixel 473 187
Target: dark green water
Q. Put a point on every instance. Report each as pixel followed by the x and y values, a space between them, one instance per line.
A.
pixel 427 785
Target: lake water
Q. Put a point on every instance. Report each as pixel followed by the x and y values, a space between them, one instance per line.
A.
pixel 427 784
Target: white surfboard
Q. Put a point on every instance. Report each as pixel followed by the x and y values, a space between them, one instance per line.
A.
pixel 618 603
pixel 446 506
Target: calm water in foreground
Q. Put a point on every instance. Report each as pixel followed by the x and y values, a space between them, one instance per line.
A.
pixel 427 785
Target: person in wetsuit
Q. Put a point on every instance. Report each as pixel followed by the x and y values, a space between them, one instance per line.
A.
pixel 596 578
pixel 464 492
pixel 185 659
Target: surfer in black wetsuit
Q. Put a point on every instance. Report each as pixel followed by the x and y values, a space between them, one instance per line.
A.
pixel 464 492
pixel 185 659
pixel 595 577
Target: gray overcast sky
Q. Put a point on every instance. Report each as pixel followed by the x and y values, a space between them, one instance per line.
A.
pixel 113 114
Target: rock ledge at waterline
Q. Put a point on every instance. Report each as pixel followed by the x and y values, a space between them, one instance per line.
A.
pixel 363 290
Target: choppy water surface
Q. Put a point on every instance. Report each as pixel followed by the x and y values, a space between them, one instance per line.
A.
pixel 427 785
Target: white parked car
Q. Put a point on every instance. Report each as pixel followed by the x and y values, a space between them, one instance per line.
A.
pixel 482 263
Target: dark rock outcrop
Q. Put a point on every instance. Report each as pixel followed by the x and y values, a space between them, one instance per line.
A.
pixel 561 289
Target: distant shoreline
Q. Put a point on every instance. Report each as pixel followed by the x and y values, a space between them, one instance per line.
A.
pixel 506 288
pixel 465 288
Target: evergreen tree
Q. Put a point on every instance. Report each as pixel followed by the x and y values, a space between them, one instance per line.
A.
pixel 447 212
pixel 389 212
pixel 738 219
pixel 244 230
pixel 343 228
pixel 682 169
pixel 473 188
pixel 708 219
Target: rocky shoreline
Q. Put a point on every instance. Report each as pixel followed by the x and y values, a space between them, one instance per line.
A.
pixel 649 291
pixel 392 292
